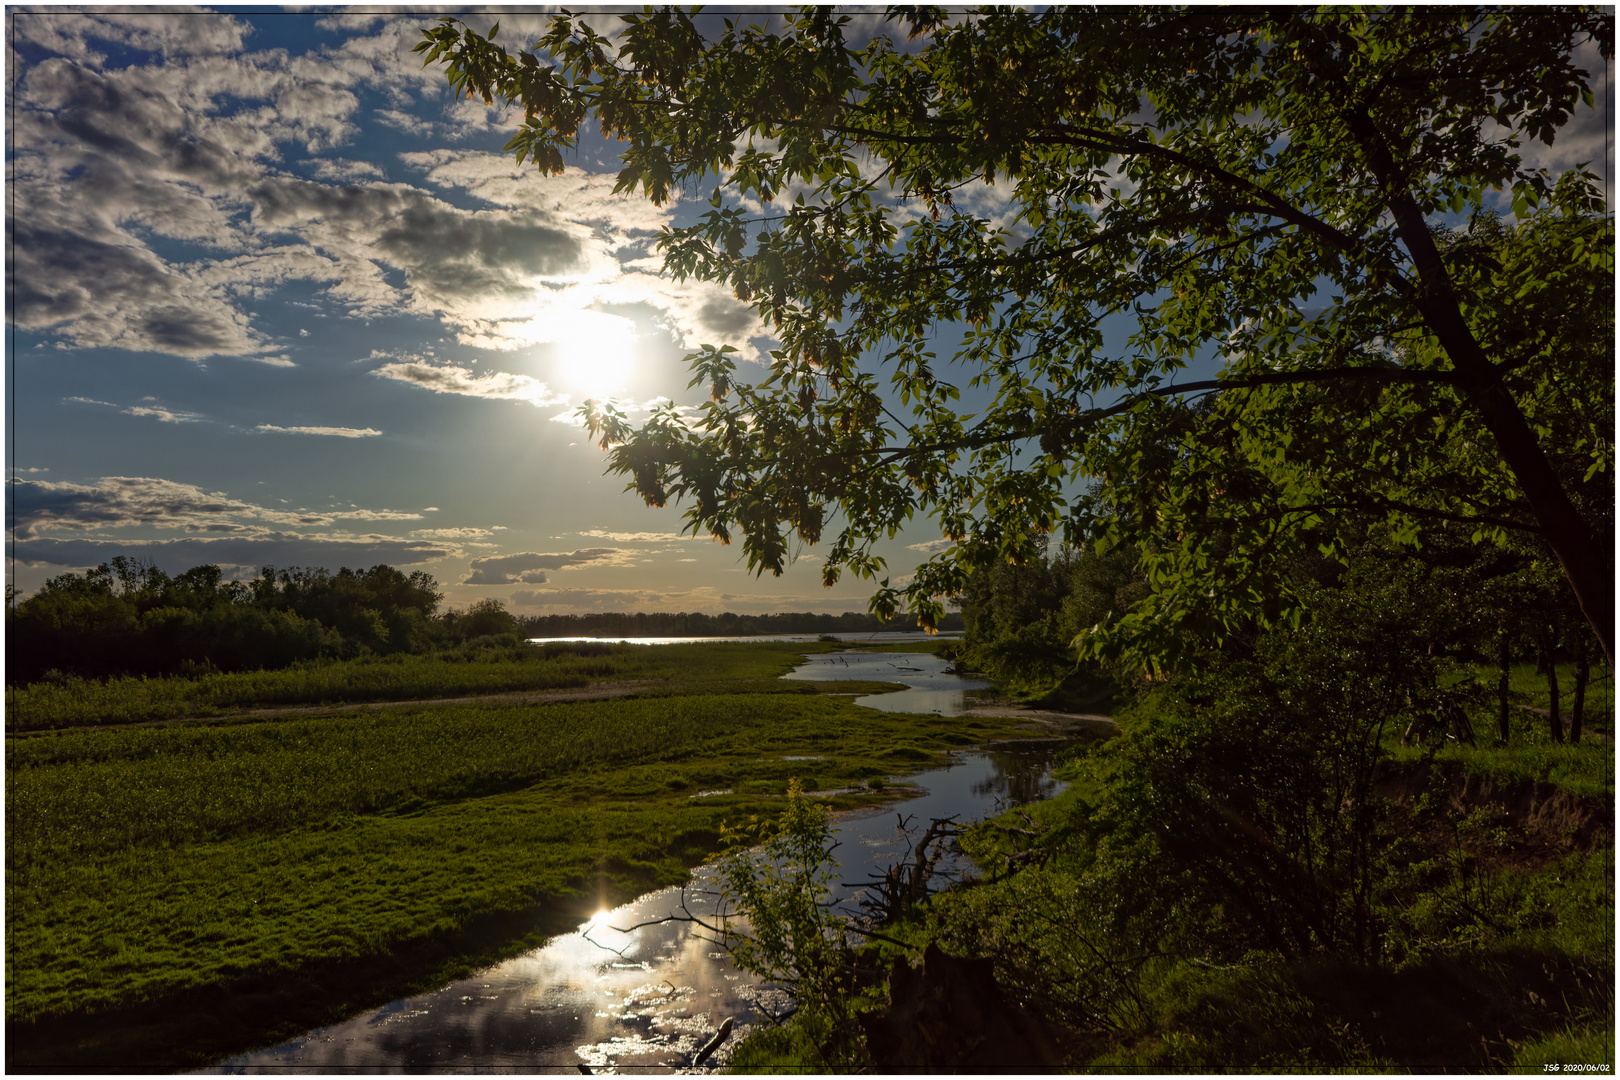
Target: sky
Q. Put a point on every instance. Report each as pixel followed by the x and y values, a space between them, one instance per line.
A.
pixel 279 299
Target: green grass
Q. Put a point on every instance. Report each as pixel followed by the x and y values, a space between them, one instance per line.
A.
pixel 1531 689
pixel 159 879
pixel 698 666
pixel 1577 1046
pixel 1585 768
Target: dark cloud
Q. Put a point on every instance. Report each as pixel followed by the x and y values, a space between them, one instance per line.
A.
pixel 449 255
pixel 726 318
pixel 117 500
pixel 175 556
pixel 145 132
pixel 111 294
pixel 527 567
pixel 120 501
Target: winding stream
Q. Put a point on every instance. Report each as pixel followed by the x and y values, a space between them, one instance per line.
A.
pixel 648 1000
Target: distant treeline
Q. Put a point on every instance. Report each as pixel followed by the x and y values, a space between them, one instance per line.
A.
pixel 726 624
pixel 128 618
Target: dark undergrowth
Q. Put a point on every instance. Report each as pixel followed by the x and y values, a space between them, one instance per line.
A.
pixel 1487 917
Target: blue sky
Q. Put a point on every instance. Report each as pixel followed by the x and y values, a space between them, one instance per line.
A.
pixel 279 300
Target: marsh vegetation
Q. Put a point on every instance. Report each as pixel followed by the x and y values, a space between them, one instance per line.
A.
pixel 181 891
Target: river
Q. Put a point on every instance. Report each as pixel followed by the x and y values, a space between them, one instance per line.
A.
pixel 645 1001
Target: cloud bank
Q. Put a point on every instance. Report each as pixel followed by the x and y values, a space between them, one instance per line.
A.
pixel 528 567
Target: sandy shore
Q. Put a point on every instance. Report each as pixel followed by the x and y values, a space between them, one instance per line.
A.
pixel 1061 722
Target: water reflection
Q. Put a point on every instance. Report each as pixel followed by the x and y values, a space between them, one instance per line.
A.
pixel 930 686
pixel 644 1001
pixel 861 637
pixel 1020 774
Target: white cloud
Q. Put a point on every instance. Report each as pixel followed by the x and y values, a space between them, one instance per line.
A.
pixel 344 171
pixel 451 534
pixel 451 379
pixel 690 415
pixel 635 537
pixel 340 432
pixel 167 32
pixel 156 412
pixel 159 412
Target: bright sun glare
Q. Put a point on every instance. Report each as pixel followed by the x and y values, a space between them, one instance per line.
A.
pixel 596 356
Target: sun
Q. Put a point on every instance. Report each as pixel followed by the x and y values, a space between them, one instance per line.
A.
pixel 595 355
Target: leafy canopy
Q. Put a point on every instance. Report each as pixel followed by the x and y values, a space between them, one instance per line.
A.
pixel 1258 195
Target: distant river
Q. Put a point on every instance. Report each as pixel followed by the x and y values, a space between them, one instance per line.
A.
pixel 881 637
pixel 645 1001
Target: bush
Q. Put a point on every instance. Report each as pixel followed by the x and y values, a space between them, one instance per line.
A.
pixel 777 876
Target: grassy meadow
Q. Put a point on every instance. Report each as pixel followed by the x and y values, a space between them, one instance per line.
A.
pixel 181 891
pixel 471 671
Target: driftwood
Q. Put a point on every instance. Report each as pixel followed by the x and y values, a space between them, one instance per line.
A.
pixel 713 1044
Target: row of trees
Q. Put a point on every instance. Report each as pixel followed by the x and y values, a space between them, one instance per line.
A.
pixel 126 617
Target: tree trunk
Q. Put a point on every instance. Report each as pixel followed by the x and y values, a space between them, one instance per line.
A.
pixel 1587 560
pixel 1555 722
pixel 1583 672
pixel 1504 725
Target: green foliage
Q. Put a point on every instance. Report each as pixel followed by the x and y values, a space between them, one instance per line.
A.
pixel 128 617
pixel 776 878
pixel 794 1048
pixel 1585 768
pixel 485 618
pixel 1495 952
pixel 1273 194
pixel 88 796
pixel 1021 622
pixel 1040 926
pixel 779 922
